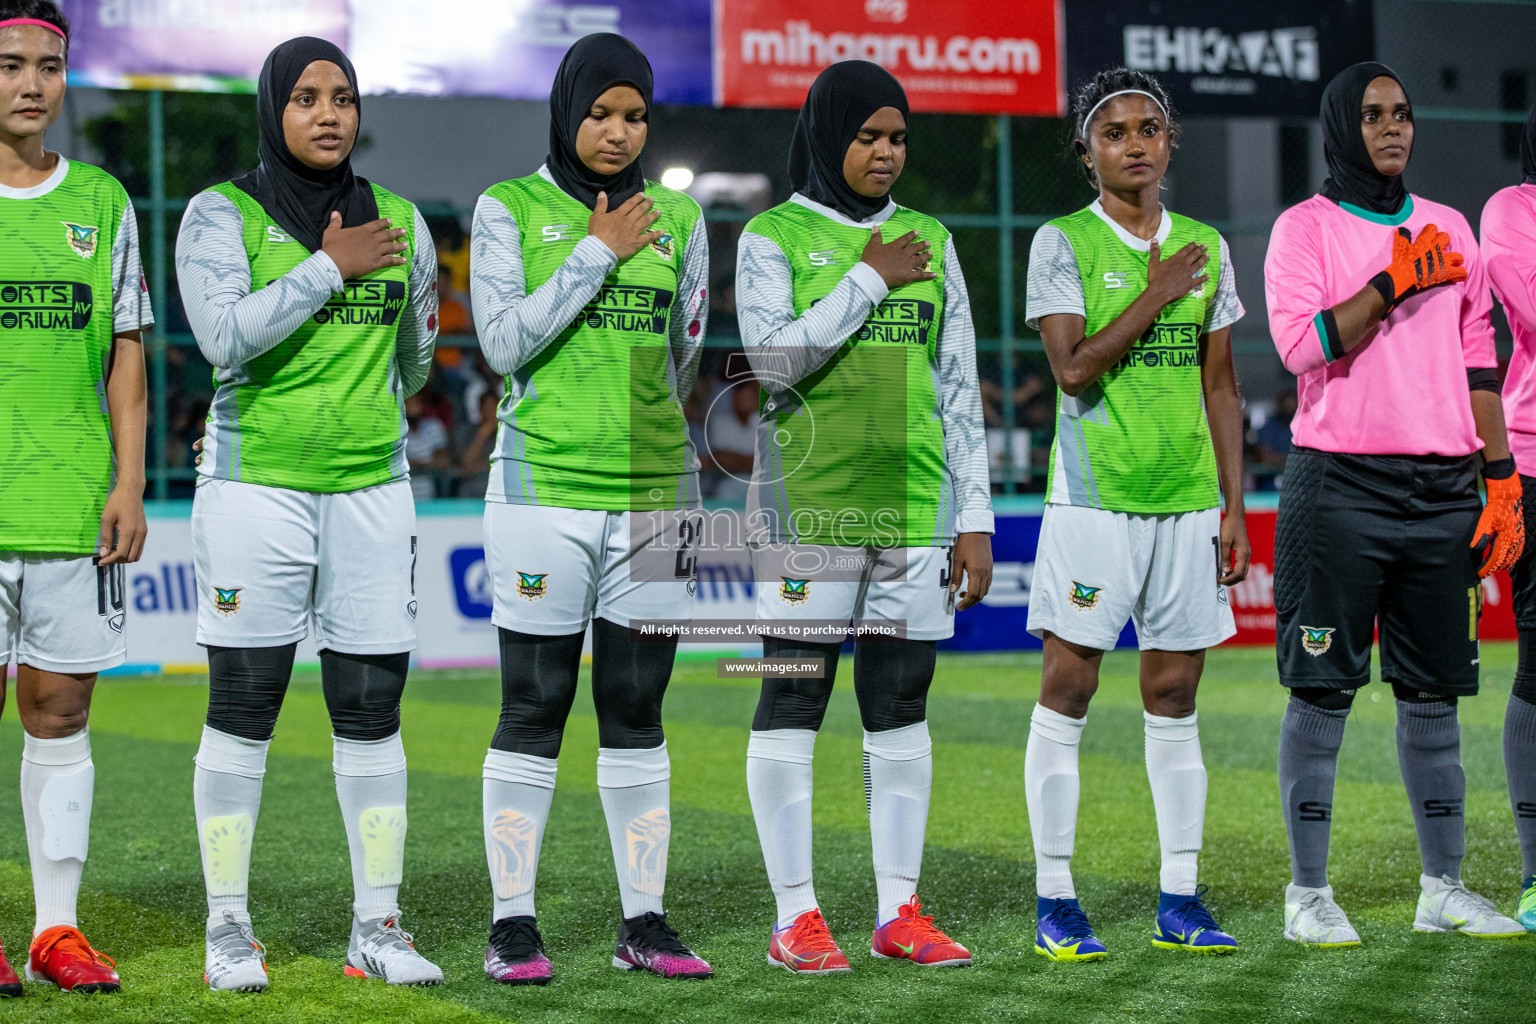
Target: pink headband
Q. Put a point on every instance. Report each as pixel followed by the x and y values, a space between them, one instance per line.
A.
pixel 50 26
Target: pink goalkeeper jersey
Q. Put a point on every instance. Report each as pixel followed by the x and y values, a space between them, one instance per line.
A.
pixel 1509 250
pixel 1403 390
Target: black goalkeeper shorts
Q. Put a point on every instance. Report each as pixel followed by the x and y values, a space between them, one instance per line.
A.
pixel 1368 541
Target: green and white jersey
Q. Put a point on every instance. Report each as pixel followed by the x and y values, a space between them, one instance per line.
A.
pixel 311 372
pixel 870 429
pixel 1137 439
pixel 598 355
pixel 70 278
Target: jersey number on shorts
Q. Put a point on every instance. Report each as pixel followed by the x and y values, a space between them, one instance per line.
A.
pixel 109 589
pixel 689 532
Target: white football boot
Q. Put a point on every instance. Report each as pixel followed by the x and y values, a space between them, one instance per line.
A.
pixel 1445 905
pixel 1313 919
pixel 235 961
pixel 380 949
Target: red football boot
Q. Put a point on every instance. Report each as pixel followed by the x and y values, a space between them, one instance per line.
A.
pixel 912 936
pixel 10 985
pixel 806 947
pixel 62 957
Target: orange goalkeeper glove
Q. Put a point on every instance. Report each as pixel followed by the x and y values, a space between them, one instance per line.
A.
pixel 1417 264
pixel 1500 537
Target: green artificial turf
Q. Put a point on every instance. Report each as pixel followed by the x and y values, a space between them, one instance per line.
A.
pixel 142 900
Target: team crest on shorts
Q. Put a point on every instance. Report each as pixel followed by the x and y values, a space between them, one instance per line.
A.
pixel 1084 597
pixel 81 238
pixel 663 247
pixel 1316 640
pixel 530 585
pixel 227 602
pixel 794 591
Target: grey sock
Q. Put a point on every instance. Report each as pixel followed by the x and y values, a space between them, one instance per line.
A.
pixel 1520 766
pixel 1310 738
pixel 1429 754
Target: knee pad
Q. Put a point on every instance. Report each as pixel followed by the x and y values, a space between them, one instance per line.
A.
pixel 1324 697
pixel 1413 695
pixel 795 702
pixel 538 685
pixel 891 679
pixel 629 679
pixel 246 687
pixel 362 692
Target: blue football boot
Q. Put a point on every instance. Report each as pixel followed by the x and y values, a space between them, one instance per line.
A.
pixel 1063 933
pixel 1183 923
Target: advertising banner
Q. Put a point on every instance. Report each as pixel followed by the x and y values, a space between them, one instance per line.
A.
pixel 973 58
pixel 511 50
pixel 453 588
pixel 1245 57
pixel 194 45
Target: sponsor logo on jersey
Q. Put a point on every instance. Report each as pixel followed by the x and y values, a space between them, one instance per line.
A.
pixel 45 305
pixel 1112 279
pixel 794 591
pixel 825 258
pixel 1316 640
pixel 663 247
pixel 1170 345
pixel 532 586
pixel 631 308
pixel 81 238
pixel 556 232
pixel 410 608
pixel 1083 597
pixel 899 322
pixel 277 235
pixel 227 602
pixel 363 303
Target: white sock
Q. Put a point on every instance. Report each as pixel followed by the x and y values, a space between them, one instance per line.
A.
pixel 898 778
pixel 638 805
pixel 515 796
pixel 370 786
pixel 779 785
pixel 1177 775
pixel 57 780
pixel 226 795
pixel 1051 788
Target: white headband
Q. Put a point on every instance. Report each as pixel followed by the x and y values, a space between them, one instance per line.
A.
pixel 1082 131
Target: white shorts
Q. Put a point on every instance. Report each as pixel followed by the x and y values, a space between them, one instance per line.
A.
pixel 269 559
pixel 61 613
pixel 553 570
pixel 855 587
pixel 1095 568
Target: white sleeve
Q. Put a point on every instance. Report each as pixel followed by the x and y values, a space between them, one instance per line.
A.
pixel 130 291
pixel 514 326
pixel 965 440
pixel 782 348
pixel 417 332
pixel 233 324
pixel 1053 283
pixel 690 310
pixel 1227 308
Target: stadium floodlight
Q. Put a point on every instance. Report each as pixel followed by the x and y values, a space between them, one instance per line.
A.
pixel 677 177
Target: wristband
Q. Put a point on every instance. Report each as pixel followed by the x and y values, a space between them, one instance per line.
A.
pixel 1382 282
pixel 1499 469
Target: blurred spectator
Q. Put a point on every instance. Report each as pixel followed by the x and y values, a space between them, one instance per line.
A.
pixel 475 460
pixel 730 439
pixel 693 413
pixel 426 448
pixel 481 379
pixel 722 308
pixel 1024 391
pixel 451 242
pixel 1273 439
pixel 452 319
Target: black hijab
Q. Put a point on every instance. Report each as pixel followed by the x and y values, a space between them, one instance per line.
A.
pixel 299 197
pixel 841 99
pixel 1528 149
pixel 1352 175
pixel 593 65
